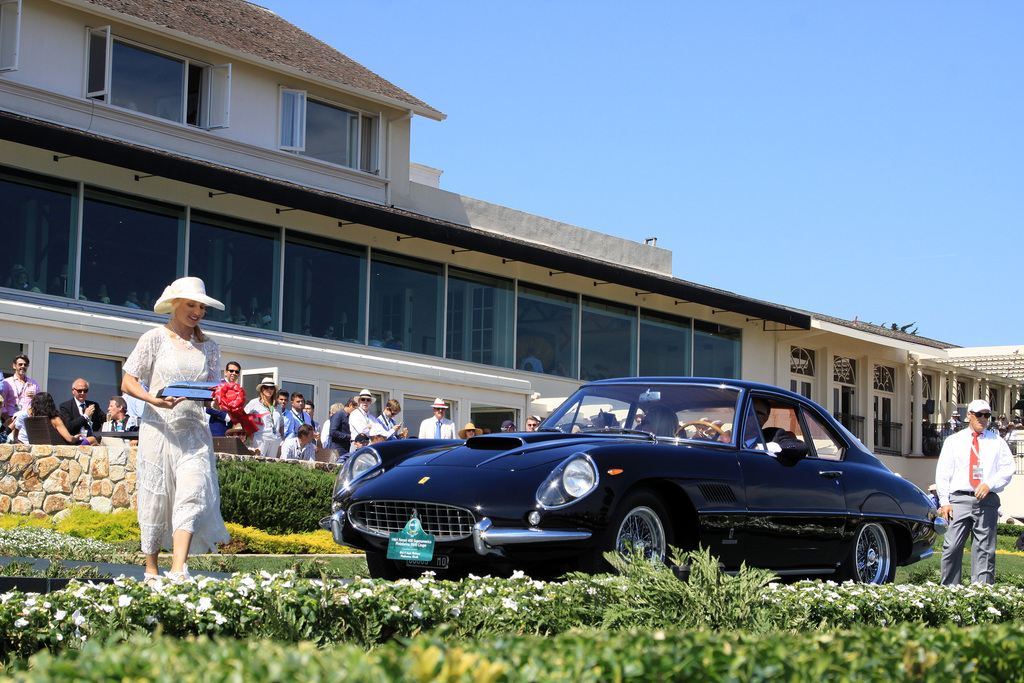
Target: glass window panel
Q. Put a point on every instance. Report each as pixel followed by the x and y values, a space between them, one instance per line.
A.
pixel 405 304
pixel 238 262
pixel 147 82
pixel 716 350
pixel 664 345
pixel 607 340
pixel 332 134
pixel 480 318
pixel 547 331
pixel 825 445
pixel 102 374
pixel 37 219
pixel 131 249
pixel 324 288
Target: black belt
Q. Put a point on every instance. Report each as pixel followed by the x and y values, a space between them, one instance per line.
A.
pixel 963 493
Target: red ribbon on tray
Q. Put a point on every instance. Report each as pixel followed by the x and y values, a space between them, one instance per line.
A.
pixel 231 399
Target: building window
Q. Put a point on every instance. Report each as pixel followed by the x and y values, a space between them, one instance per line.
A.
pixel 329 132
pixel 608 340
pixel 416 409
pixel 665 343
pixel 131 249
pixel 801 361
pixel 405 304
pixel 480 318
pixel 716 350
pixel 844 370
pixel 10 34
pixel 239 263
pixel 37 218
pixel 885 379
pixel 103 375
pixel 547 331
pixel 313 267
pixel 132 77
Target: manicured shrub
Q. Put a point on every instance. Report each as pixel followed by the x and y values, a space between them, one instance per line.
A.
pixel 277 497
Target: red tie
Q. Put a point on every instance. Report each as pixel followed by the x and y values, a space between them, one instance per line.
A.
pixel 975 462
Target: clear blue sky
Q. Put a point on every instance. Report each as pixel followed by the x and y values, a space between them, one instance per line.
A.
pixel 849 158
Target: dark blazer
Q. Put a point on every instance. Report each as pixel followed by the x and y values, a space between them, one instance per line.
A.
pixel 340 436
pixel 74 420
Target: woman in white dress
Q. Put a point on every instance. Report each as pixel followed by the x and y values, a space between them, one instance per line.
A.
pixel 178 493
pixel 268 438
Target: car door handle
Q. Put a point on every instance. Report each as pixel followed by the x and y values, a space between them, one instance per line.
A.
pixel 830 474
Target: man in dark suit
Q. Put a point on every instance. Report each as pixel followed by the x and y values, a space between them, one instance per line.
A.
pixel 79 412
pixel 339 436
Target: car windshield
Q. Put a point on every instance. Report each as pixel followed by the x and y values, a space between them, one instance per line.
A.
pixel 704 412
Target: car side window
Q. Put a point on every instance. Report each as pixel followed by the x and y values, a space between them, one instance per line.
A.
pixel 751 431
pixel 823 443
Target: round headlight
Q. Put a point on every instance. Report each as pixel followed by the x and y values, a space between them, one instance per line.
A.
pixel 574 478
pixel 363 462
pixel 578 478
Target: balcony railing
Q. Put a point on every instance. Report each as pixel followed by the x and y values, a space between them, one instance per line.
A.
pixel 888 437
pixel 855 423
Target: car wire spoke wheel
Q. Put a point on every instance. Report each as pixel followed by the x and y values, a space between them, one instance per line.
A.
pixel 873 556
pixel 642 531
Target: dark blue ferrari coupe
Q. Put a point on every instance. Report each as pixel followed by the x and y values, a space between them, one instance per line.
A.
pixel 755 473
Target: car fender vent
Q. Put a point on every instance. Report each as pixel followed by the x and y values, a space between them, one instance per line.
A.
pixel 717 493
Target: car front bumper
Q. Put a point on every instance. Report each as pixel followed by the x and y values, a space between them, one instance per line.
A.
pixel 487 539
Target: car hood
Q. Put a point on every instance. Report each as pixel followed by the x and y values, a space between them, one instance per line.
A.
pixel 511 452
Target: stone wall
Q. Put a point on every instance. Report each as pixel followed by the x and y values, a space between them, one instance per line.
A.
pixel 47 479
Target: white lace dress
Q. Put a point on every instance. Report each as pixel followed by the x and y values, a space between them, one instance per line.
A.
pixel 176 478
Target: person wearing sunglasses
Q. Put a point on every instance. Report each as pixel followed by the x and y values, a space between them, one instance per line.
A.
pixel 360 421
pixel 974 466
pixel 82 416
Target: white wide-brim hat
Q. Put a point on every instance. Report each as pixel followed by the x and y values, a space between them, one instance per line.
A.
pixel 268 382
pixel 439 403
pixel 191 288
pixel 365 393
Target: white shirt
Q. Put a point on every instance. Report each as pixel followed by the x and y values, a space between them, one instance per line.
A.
pixel 428 429
pixel 291 449
pixel 952 472
pixel 359 422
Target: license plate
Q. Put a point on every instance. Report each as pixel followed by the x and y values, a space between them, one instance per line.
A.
pixel 439 562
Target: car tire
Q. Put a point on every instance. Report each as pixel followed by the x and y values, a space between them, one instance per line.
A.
pixel 641 521
pixel 871 558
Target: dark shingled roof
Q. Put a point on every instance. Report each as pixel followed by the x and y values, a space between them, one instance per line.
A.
pixel 254 30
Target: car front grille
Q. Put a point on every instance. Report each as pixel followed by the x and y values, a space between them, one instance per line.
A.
pixel 383 517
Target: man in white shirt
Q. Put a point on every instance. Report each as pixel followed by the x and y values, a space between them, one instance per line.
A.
pixel 437 427
pixel 359 420
pixel 973 467
pixel 300 446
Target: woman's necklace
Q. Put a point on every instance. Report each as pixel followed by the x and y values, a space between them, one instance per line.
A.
pixel 186 342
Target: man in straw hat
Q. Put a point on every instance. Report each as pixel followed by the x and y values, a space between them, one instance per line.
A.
pixel 437 427
pixel 360 421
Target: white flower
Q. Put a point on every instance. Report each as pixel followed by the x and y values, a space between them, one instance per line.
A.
pixel 21 623
pixel 60 614
pixel 105 608
pixel 124 601
pixel 205 603
pixel 993 610
pixel 77 618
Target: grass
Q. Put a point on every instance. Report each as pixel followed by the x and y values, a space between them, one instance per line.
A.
pixel 305 566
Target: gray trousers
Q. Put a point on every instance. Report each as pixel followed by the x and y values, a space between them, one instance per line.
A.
pixel 979 517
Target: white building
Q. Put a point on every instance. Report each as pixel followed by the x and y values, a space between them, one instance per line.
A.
pixel 141 141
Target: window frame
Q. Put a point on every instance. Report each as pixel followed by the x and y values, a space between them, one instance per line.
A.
pixel 10 37
pixel 293 114
pixel 214 86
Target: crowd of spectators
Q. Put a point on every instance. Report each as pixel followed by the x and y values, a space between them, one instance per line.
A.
pixel 285 426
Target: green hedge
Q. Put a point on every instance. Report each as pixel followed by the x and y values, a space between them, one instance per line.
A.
pixel 277 497
pixel 908 653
